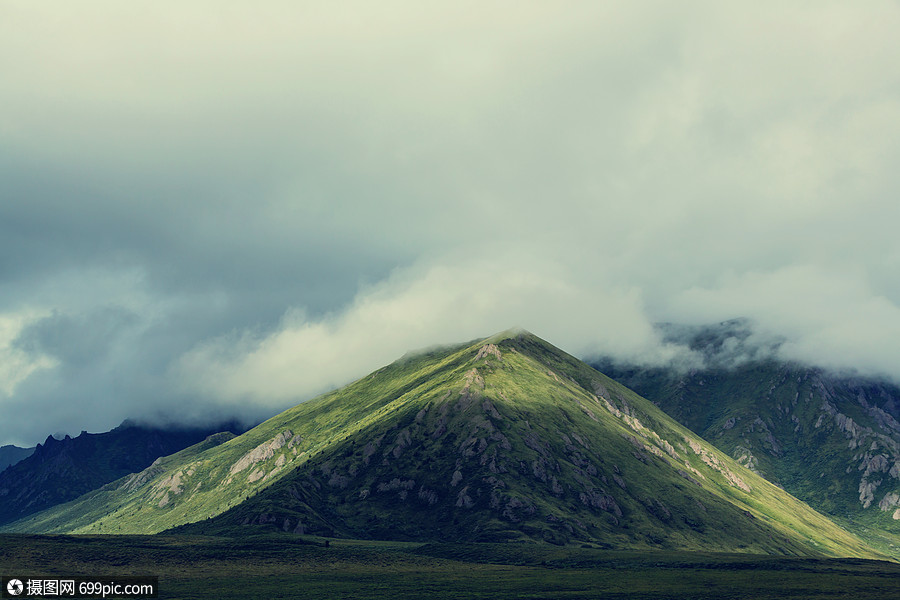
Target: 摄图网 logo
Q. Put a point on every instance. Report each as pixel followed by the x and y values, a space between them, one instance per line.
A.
pixel 14 587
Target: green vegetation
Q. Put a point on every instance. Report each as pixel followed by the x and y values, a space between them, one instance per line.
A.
pixel 506 439
pixel 828 440
pixel 290 566
pixel 58 471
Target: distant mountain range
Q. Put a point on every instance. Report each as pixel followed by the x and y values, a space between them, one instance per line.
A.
pixel 61 470
pixel 503 439
pixel 10 455
pixel 831 440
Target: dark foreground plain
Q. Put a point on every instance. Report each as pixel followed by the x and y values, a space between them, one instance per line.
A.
pixel 277 566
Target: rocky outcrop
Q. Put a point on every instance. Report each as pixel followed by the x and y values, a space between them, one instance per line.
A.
pixel 713 461
pixel 264 451
pixel 136 480
pixel 889 501
pixel 489 350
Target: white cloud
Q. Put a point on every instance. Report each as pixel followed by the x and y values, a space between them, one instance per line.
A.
pixel 422 306
pixel 580 169
pixel 828 317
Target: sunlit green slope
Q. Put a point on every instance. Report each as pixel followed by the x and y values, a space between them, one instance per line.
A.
pixel 507 438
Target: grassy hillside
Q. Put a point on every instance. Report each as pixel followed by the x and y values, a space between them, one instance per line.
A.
pixel 61 470
pixel 529 443
pixel 504 439
pixel 833 441
pixel 291 566
pixel 206 479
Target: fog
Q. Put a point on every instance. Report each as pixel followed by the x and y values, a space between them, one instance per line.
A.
pixel 224 208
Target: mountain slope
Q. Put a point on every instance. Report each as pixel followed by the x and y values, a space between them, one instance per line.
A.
pixel 61 470
pixel 194 484
pixel 10 455
pixel 833 441
pixel 508 438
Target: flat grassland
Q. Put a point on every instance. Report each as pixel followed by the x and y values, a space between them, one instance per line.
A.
pixel 285 566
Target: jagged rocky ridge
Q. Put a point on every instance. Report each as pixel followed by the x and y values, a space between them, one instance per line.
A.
pixel 58 471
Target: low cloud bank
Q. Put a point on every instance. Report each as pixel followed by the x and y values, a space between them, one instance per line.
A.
pixel 220 211
pixel 440 303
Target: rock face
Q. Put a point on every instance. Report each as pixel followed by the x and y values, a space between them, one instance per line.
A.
pixel 265 451
pixel 62 470
pixel 832 441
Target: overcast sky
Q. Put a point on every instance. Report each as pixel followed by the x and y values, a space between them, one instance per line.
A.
pixel 223 208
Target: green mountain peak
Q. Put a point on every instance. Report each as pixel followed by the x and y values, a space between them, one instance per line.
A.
pixel 513 332
pixel 504 439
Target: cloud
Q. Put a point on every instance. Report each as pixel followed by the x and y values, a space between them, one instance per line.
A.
pixel 76 340
pixel 826 317
pixel 284 196
pixel 426 304
pixel 17 365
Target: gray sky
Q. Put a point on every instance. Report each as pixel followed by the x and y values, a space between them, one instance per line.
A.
pixel 217 208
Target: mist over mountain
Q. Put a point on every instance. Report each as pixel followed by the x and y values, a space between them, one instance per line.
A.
pixel 831 438
pixel 220 211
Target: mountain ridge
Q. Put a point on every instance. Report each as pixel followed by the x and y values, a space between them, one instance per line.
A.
pixel 10 455
pixel 831 439
pixel 60 470
pixel 507 438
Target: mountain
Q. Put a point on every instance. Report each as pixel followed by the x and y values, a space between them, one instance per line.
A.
pixel 831 440
pixel 504 439
pixel 10 455
pixel 58 471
